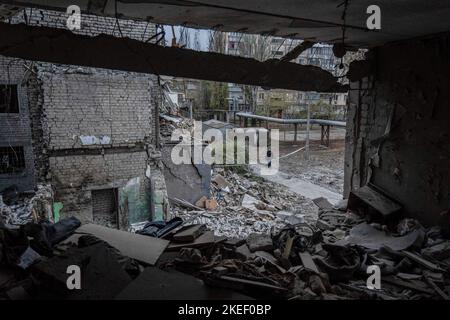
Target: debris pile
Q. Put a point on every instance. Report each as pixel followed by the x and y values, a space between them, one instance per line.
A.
pixel 242 203
pixel 20 208
pixel 169 124
pixel 331 258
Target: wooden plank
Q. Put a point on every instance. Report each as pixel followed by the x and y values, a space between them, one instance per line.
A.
pixel 143 248
pixel 424 263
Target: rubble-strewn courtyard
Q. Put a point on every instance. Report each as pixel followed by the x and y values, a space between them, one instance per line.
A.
pixel 325 166
pixel 247 204
pixel 224 150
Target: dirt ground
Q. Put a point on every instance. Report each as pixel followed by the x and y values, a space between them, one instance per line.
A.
pixel 325 166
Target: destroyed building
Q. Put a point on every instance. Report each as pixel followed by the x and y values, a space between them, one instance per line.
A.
pixel 93 134
pixel 87 131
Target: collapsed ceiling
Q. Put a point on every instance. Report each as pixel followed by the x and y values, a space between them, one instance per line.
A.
pixel 62 46
pixel 318 20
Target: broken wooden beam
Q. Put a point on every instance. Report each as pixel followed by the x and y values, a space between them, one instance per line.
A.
pixel 105 51
pixel 421 261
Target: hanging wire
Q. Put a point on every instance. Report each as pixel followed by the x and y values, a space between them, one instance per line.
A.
pixel 344 19
pixel 117 19
pixel 281 44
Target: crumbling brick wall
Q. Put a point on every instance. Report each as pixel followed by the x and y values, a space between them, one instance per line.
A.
pixel 98 103
pixel 398 132
pixel 15 127
pixel 115 108
pixel 75 176
pixel 91 127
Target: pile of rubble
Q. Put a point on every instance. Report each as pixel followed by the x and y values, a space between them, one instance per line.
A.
pixel 168 124
pixel 329 259
pixel 326 259
pixel 20 208
pixel 242 203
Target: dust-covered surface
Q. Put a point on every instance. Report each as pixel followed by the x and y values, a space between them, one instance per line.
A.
pixel 249 204
pixel 324 168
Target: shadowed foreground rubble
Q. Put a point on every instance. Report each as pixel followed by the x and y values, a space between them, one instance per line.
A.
pixel 277 252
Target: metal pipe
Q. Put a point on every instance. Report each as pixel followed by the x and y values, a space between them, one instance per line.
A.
pixel 333 123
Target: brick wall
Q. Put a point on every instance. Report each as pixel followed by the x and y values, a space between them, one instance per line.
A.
pixel 15 127
pixel 75 176
pixel 71 102
pixel 98 103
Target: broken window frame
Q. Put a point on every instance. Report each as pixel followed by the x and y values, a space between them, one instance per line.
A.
pixel 9 98
pixel 12 160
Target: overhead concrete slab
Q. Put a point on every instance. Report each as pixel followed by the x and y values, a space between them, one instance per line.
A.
pixel 318 20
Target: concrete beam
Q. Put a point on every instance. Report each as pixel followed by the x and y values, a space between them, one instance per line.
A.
pixel 104 51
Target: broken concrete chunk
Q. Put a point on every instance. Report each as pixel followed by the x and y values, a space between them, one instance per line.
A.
pixel 369 200
pixel 211 204
pixel 259 242
pixel 234 242
pixel 189 234
pixel 371 238
pixel 249 202
pixel 244 252
pixel 136 246
pixel 323 225
pixel 28 258
pixel 308 262
pixel 221 182
pixel 322 203
pixel 205 239
pixel 201 202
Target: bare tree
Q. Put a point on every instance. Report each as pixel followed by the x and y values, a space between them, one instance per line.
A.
pixel 218 90
pixel 197 45
pixel 256 47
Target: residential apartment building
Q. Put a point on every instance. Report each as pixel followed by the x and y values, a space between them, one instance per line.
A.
pixel 88 132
